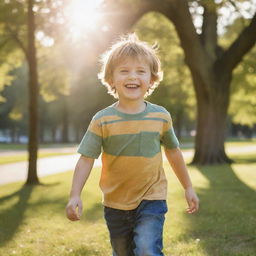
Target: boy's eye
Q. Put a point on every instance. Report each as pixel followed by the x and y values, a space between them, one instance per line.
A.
pixel 141 71
pixel 123 70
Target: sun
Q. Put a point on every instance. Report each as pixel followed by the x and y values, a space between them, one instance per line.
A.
pixel 83 15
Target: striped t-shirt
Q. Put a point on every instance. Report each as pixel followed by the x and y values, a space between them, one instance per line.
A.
pixel 131 154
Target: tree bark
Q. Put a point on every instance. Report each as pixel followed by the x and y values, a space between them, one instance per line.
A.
pixel 211 127
pixel 32 177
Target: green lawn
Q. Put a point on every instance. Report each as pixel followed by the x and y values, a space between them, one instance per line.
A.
pixel 12 146
pixel 33 223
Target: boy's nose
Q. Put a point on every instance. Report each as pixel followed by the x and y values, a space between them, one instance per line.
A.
pixel 132 75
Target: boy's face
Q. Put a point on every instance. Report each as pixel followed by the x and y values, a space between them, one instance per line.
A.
pixel 132 79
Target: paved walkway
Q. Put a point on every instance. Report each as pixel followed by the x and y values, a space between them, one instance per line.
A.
pixel 50 165
pixel 46 166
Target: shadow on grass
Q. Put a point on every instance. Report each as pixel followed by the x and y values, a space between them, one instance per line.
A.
pixel 11 218
pixel 88 251
pixel 226 222
pixel 244 159
pixel 94 213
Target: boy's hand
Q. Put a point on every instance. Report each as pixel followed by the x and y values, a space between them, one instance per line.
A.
pixel 73 204
pixel 192 200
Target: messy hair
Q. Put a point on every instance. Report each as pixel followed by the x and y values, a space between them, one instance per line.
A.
pixel 130 46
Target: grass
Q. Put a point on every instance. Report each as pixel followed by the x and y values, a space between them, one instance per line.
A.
pixel 33 223
pixel 13 146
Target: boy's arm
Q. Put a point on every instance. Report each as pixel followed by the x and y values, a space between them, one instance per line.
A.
pixel 81 174
pixel 178 165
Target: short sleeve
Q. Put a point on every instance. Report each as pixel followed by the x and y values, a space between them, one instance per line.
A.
pixel 169 139
pixel 91 144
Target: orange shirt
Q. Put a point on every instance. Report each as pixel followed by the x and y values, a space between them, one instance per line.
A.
pixel 131 154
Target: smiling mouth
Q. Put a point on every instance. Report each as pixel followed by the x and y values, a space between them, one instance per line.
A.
pixel 132 86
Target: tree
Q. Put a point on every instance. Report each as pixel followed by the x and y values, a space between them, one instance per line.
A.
pixel 18 26
pixel 175 92
pixel 30 53
pixel 211 66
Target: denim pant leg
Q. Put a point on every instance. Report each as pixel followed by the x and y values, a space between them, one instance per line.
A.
pixel 137 232
pixel 120 225
pixel 148 230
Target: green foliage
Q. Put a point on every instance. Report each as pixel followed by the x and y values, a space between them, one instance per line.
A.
pixel 12 23
pixel 13 12
pixel 54 76
pixel 243 87
pixel 13 111
pixel 13 31
pixel 243 100
pixel 8 62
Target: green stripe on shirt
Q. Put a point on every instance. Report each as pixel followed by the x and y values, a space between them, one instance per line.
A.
pixel 145 144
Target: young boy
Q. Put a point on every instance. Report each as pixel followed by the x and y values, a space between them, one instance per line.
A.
pixel 129 134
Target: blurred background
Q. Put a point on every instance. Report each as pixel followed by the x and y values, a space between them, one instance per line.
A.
pixel 70 36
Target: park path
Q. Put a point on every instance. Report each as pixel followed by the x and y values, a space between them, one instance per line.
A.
pixel 13 172
pixel 46 166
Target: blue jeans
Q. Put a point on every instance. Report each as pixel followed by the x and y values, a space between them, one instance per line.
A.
pixel 137 232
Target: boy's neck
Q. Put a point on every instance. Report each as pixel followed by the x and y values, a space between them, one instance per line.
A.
pixel 131 107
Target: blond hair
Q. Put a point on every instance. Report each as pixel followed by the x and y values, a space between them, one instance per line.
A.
pixel 130 46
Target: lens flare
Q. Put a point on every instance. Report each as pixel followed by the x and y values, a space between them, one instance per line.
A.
pixel 83 15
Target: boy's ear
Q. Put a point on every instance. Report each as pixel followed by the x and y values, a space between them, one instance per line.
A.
pixel 152 81
pixel 110 82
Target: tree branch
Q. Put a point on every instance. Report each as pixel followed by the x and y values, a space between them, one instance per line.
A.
pixel 195 55
pixel 244 42
pixel 209 29
pixel 124 14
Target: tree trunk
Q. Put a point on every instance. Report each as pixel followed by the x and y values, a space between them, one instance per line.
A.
pixel 32 177
pixel 211 125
